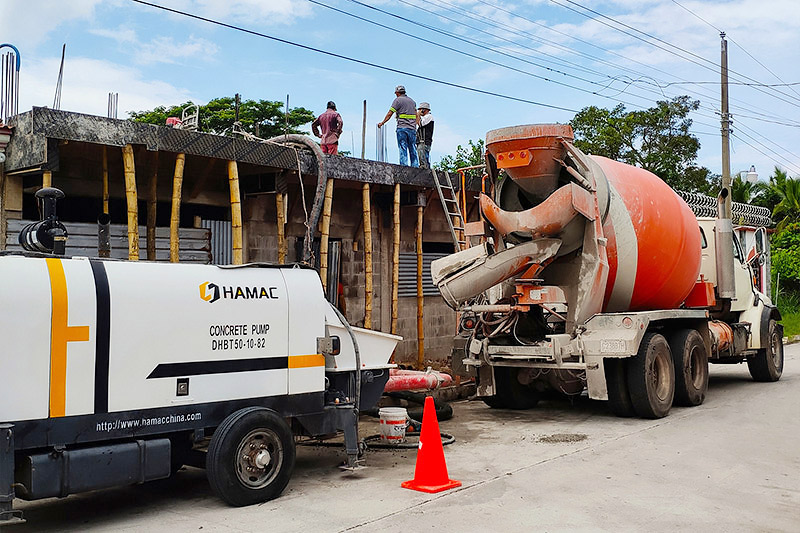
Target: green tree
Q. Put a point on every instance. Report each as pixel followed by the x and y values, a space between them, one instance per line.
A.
pixel 260 117
pixel 747 192
pixel 656 139
pixel 785 248
pixel 787 211
pixel 770 197
pixel 464 157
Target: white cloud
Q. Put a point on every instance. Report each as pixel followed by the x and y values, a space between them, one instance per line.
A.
pixel 27 26
pixel 271 12
pixel 87 83
pixel 166 50
pixel 121 34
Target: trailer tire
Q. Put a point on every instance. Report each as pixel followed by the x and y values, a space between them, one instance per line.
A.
pixel 651 377
pixel 619 398
pixel 690 357
pixel 512 393
pixel 251 457
pixel 767 364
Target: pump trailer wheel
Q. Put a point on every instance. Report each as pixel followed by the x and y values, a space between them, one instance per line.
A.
pixel 251 457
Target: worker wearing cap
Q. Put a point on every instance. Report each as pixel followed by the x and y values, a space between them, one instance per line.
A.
pixel 331 123
pixel 406 110
pixel 424 134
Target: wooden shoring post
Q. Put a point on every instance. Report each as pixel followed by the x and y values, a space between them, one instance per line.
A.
pixel 395 254
pixel 280 207
pixel 132 199
pixel 367 222
pixel 175 215
pixel 420 297
pixel 236 212
pixel 105 180
pixel 325 229
pixel 47 179
pixel 152 203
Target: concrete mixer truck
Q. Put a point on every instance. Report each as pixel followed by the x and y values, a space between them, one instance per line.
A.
pixel 119 372
pixel 593 274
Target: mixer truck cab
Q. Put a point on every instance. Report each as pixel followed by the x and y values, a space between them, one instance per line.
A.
pixel 596 276
pixel 119 372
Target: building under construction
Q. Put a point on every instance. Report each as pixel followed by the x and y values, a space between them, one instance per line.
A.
pixel 183 195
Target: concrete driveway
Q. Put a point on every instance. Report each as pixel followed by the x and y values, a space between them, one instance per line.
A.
pixel 731 464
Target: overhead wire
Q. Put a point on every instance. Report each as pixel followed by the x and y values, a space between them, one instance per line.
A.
pixel 352 59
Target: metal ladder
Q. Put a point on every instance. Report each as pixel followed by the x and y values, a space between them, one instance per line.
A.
pixel 449 199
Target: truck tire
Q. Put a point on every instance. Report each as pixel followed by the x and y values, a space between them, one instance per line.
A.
pixel 651 377
pixel 511 393
pixel 691 367
pixel 619 399
pixel 251 457
pixel 767 364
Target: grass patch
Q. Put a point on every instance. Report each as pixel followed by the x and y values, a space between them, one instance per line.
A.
pixel 791 323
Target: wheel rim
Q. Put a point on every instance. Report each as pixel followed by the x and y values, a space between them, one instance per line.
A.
pixel 776 346
pixel 259 458
pixel 696 367
pixel 660 376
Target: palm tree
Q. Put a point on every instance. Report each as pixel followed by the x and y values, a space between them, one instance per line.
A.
pixel 788 209
pixel 747 192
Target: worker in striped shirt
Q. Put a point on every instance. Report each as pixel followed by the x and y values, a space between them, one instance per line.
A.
pixel 406 110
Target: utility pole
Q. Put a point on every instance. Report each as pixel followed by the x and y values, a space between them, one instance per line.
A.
pixel 724 224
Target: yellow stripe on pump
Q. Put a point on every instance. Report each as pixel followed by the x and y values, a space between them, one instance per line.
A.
pixel 306 361
pixel 60 334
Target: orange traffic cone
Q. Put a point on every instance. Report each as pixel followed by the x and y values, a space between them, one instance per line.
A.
pixel 430 474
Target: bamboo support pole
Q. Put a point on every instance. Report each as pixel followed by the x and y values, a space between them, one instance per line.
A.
pixel 47 179
pixel 420 297
pixel 131 197
pixel 325 229
pixel 280 206
pixel 236 212
pixel 152 203
pixel 395 254
pixel 175 216
pixel 367 207
pixel 105 180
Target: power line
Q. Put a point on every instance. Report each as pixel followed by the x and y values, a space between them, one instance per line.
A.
pixel 351 59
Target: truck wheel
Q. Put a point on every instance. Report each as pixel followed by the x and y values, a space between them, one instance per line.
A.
pixel 651 377
pixel 691 367
pixel 619 399
pixel 250 457
pixel 767 364
pixel 494 402
pixel 512 393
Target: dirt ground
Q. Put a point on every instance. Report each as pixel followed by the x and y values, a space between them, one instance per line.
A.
pixel 730 464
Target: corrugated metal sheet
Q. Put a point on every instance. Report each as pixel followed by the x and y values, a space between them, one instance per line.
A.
pixel 408 275
pixel 221 240
pixel 194 242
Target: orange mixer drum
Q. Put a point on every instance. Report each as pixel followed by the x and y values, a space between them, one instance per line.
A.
pixel 653 240
pixel 654 245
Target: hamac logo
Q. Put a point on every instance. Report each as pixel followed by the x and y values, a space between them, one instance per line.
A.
pixel 209 292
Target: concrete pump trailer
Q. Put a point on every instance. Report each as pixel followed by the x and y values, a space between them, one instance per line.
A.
pixel 112 371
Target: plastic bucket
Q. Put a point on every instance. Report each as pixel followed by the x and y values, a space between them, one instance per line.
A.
pixel 393 424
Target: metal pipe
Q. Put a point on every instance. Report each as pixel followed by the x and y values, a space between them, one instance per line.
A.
pixel 152 207
pixel 367 215
pixel 175 217
pixel 104 235
pixel 420 297
pixel 236 212
pixel 105 180
pixel 131 197
pixel 325 233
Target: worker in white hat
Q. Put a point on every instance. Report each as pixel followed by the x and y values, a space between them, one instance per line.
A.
pixel 406 110
pixel 424 134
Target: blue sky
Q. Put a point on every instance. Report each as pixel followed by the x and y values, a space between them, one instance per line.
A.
pixel 528 48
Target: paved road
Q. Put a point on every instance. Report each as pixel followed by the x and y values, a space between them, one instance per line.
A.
pixel 732 464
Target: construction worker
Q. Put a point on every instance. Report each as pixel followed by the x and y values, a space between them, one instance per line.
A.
pixel 406 110
pixel 424 134
pixel 331 123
